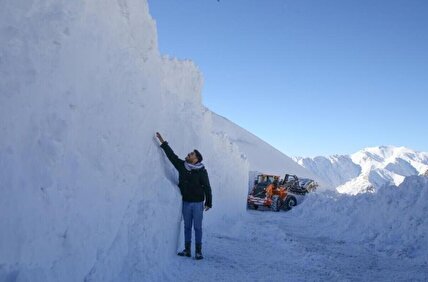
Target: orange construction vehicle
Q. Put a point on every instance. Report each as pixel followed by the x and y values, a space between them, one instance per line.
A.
pixel 271 192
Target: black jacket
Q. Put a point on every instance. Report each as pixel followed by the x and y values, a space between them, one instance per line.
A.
pixel 194 184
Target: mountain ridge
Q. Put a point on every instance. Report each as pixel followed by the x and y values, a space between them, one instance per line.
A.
pixel 368 169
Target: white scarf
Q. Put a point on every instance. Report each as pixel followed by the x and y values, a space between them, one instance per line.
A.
pixel 190 166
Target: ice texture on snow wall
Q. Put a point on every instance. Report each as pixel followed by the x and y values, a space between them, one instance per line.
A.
pixel 85 192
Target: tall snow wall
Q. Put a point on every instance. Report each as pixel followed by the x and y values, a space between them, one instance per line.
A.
pixel 85 191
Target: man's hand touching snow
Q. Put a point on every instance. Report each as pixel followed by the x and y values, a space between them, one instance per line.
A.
pixel 159 137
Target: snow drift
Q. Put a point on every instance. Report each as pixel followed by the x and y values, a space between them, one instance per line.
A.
pixel 260 155
pixel 86 193
pixel 393 220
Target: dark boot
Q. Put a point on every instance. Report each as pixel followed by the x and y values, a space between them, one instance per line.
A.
pixel 186 251
pixel 198 253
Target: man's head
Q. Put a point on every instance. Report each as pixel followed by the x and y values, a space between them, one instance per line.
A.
pixel 194 157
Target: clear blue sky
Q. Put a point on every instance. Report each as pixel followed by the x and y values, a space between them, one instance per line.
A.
pixel 309 77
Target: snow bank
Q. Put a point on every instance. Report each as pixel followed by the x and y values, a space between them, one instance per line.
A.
pixel 85 191
pixel 392 220
pixel 260 155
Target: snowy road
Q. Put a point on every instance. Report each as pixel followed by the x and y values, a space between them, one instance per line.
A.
pixel 272 246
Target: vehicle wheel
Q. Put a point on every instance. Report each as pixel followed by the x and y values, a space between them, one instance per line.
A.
pixel 276 203
pixel 289 203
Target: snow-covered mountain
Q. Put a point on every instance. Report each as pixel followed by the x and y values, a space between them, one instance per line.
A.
pixel 332 171
pixel 368 169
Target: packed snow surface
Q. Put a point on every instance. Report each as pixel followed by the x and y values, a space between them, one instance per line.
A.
pixel 86 194
pixel 330 237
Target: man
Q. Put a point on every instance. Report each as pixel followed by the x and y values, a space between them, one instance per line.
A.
pixel 195 188
pixel 272 188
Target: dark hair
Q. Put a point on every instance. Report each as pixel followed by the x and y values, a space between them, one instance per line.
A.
pixel 198 155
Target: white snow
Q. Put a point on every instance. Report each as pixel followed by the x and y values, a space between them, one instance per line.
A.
pixel 331 171
pixel 368 169
pixel 260 155
pixel 330 237
pixel 86 194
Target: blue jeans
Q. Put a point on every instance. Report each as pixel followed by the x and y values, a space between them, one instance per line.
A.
pixel 192 215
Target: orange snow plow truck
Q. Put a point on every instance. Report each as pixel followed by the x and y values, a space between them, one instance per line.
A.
pixel 271 192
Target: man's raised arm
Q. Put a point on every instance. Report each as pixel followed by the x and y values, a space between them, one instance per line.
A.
pixel 173 158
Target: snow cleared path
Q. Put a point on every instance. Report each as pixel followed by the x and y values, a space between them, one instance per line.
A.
pixel 272 246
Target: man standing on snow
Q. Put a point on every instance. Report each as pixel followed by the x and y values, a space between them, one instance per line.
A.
pixel 194 187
